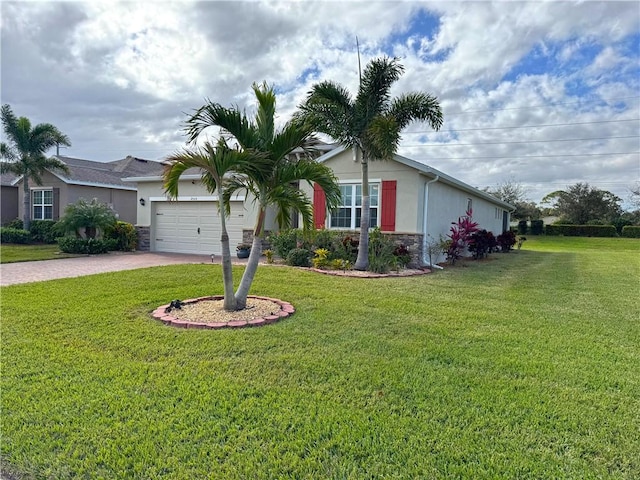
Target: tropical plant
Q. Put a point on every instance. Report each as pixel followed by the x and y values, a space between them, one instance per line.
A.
pixel 370 123
pixel 90 218
pixel 460 236
pixel 25 154
pixel 273 182
pixel 215 163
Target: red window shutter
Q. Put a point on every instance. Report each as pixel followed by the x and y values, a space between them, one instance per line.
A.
pixel 388 215
pixel 319 206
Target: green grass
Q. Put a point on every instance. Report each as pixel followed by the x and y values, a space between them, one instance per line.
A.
pixel 10 253
pixel 523 366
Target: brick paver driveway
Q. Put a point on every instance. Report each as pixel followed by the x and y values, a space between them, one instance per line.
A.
pixel 25 272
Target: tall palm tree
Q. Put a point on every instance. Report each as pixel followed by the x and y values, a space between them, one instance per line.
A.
pixel 274 182
pixel 25 155
pixel 370 123
pixel 215 163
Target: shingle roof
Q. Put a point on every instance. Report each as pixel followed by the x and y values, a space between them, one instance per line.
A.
pixel 107 173
pixel 7 179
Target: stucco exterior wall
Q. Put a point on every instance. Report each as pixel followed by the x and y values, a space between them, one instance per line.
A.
pixel 122 201
pixel 409 188
pixel 9 201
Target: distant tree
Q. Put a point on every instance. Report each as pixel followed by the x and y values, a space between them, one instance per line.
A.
pixel 512 192
pixel 634 194
pixel 25 153
pixel 581 204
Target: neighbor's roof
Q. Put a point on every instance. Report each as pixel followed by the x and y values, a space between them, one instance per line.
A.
pixel 433 173
pixel 8 179
pixel 104 174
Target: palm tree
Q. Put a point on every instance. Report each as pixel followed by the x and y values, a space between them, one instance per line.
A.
pixel 25 155
pixel 370 123
pixel 274 182
pixel 215 163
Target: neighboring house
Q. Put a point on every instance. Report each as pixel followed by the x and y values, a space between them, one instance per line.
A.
pixel 8 198
pixel 87 179
pixel 409 200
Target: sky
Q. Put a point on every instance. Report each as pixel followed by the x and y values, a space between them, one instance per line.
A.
pixel 542 94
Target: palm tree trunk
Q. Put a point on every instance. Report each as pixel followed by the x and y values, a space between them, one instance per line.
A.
pixel 362 262
pixel 252 263
pixel 26 214
pixel 227 270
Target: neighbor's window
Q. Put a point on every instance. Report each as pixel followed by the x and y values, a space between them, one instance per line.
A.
pixel 42 201
pixel 348 214
pixel 469 204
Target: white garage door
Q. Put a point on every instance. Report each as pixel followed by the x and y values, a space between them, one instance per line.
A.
pixel 194 227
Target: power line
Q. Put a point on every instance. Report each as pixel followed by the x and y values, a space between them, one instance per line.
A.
pixel 541 106
pixel 528 126
pixel 537 156
pixel 524 141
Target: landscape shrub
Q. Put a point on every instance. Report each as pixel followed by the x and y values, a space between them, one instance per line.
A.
pixel 506 241
pixel 631 231
pixel 381 248
pixel 284 241
pixel 16 223
pixel 458 239
pixel 581 230
pixel 324 239
pixel 86 245
pixel 43 231
pixel 402 254
pixel 537 227
pixel 620 223
pixel 298 257
pixel 89 218
pixel 522 227
pixel 14 235
pixel 124 234
pixel 482 243
pixel 321 259
pixel 345 247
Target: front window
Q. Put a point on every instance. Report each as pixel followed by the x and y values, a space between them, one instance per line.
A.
pixel 42 201
pixel 348 214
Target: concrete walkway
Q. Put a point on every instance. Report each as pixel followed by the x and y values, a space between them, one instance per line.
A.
pixel 25 272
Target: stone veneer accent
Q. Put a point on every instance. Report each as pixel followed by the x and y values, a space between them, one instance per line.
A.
pixel 286 309
pixel 144 238
pixel 247 237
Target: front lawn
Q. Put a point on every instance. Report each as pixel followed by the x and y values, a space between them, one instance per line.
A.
pixel 10 253
pixel 523 366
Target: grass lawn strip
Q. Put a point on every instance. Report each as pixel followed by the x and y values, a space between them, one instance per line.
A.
pixel 522 367
pixel 10 253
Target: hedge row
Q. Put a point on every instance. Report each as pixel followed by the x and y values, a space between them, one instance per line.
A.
pixel 631 231
pixel 582 230
pixel 14 235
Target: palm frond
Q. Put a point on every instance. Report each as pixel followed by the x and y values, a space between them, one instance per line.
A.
pixel 416 106
pixel 374 92
pixel 265 115
pixel 382 138
pixel 329 109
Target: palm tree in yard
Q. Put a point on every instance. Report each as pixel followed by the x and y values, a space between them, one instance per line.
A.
pixel 273 178
pixel 25 153
pixel 370 123
pixel 215 164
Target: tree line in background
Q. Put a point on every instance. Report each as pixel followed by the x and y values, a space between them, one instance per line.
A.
pixel 579 204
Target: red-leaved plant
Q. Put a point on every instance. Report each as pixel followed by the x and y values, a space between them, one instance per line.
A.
pixel 460 235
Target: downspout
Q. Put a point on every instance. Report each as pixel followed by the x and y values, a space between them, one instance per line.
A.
pixel 425 257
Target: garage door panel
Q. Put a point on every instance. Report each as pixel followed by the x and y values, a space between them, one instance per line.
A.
pixel 177 223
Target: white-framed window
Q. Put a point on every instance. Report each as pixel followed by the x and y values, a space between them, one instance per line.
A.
pixel 42 205
pixel 348 214
pixel 469 204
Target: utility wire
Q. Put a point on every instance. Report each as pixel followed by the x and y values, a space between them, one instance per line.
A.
pixel 524 141
pixel 536 156
pixel 527 126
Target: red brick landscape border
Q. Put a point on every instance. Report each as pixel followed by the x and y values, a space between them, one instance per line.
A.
pixel 286 309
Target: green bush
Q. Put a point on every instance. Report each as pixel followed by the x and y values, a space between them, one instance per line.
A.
pixel 284 241
pixel 43 231
pixel 631 231
pixel 124 234
pixel 381 248
pixel 581 230
pixel 88 217
pixel 299 257
pixel 14 235
pixel 537 227
pixel 86 245
pixel 522 227
pixel 17 223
